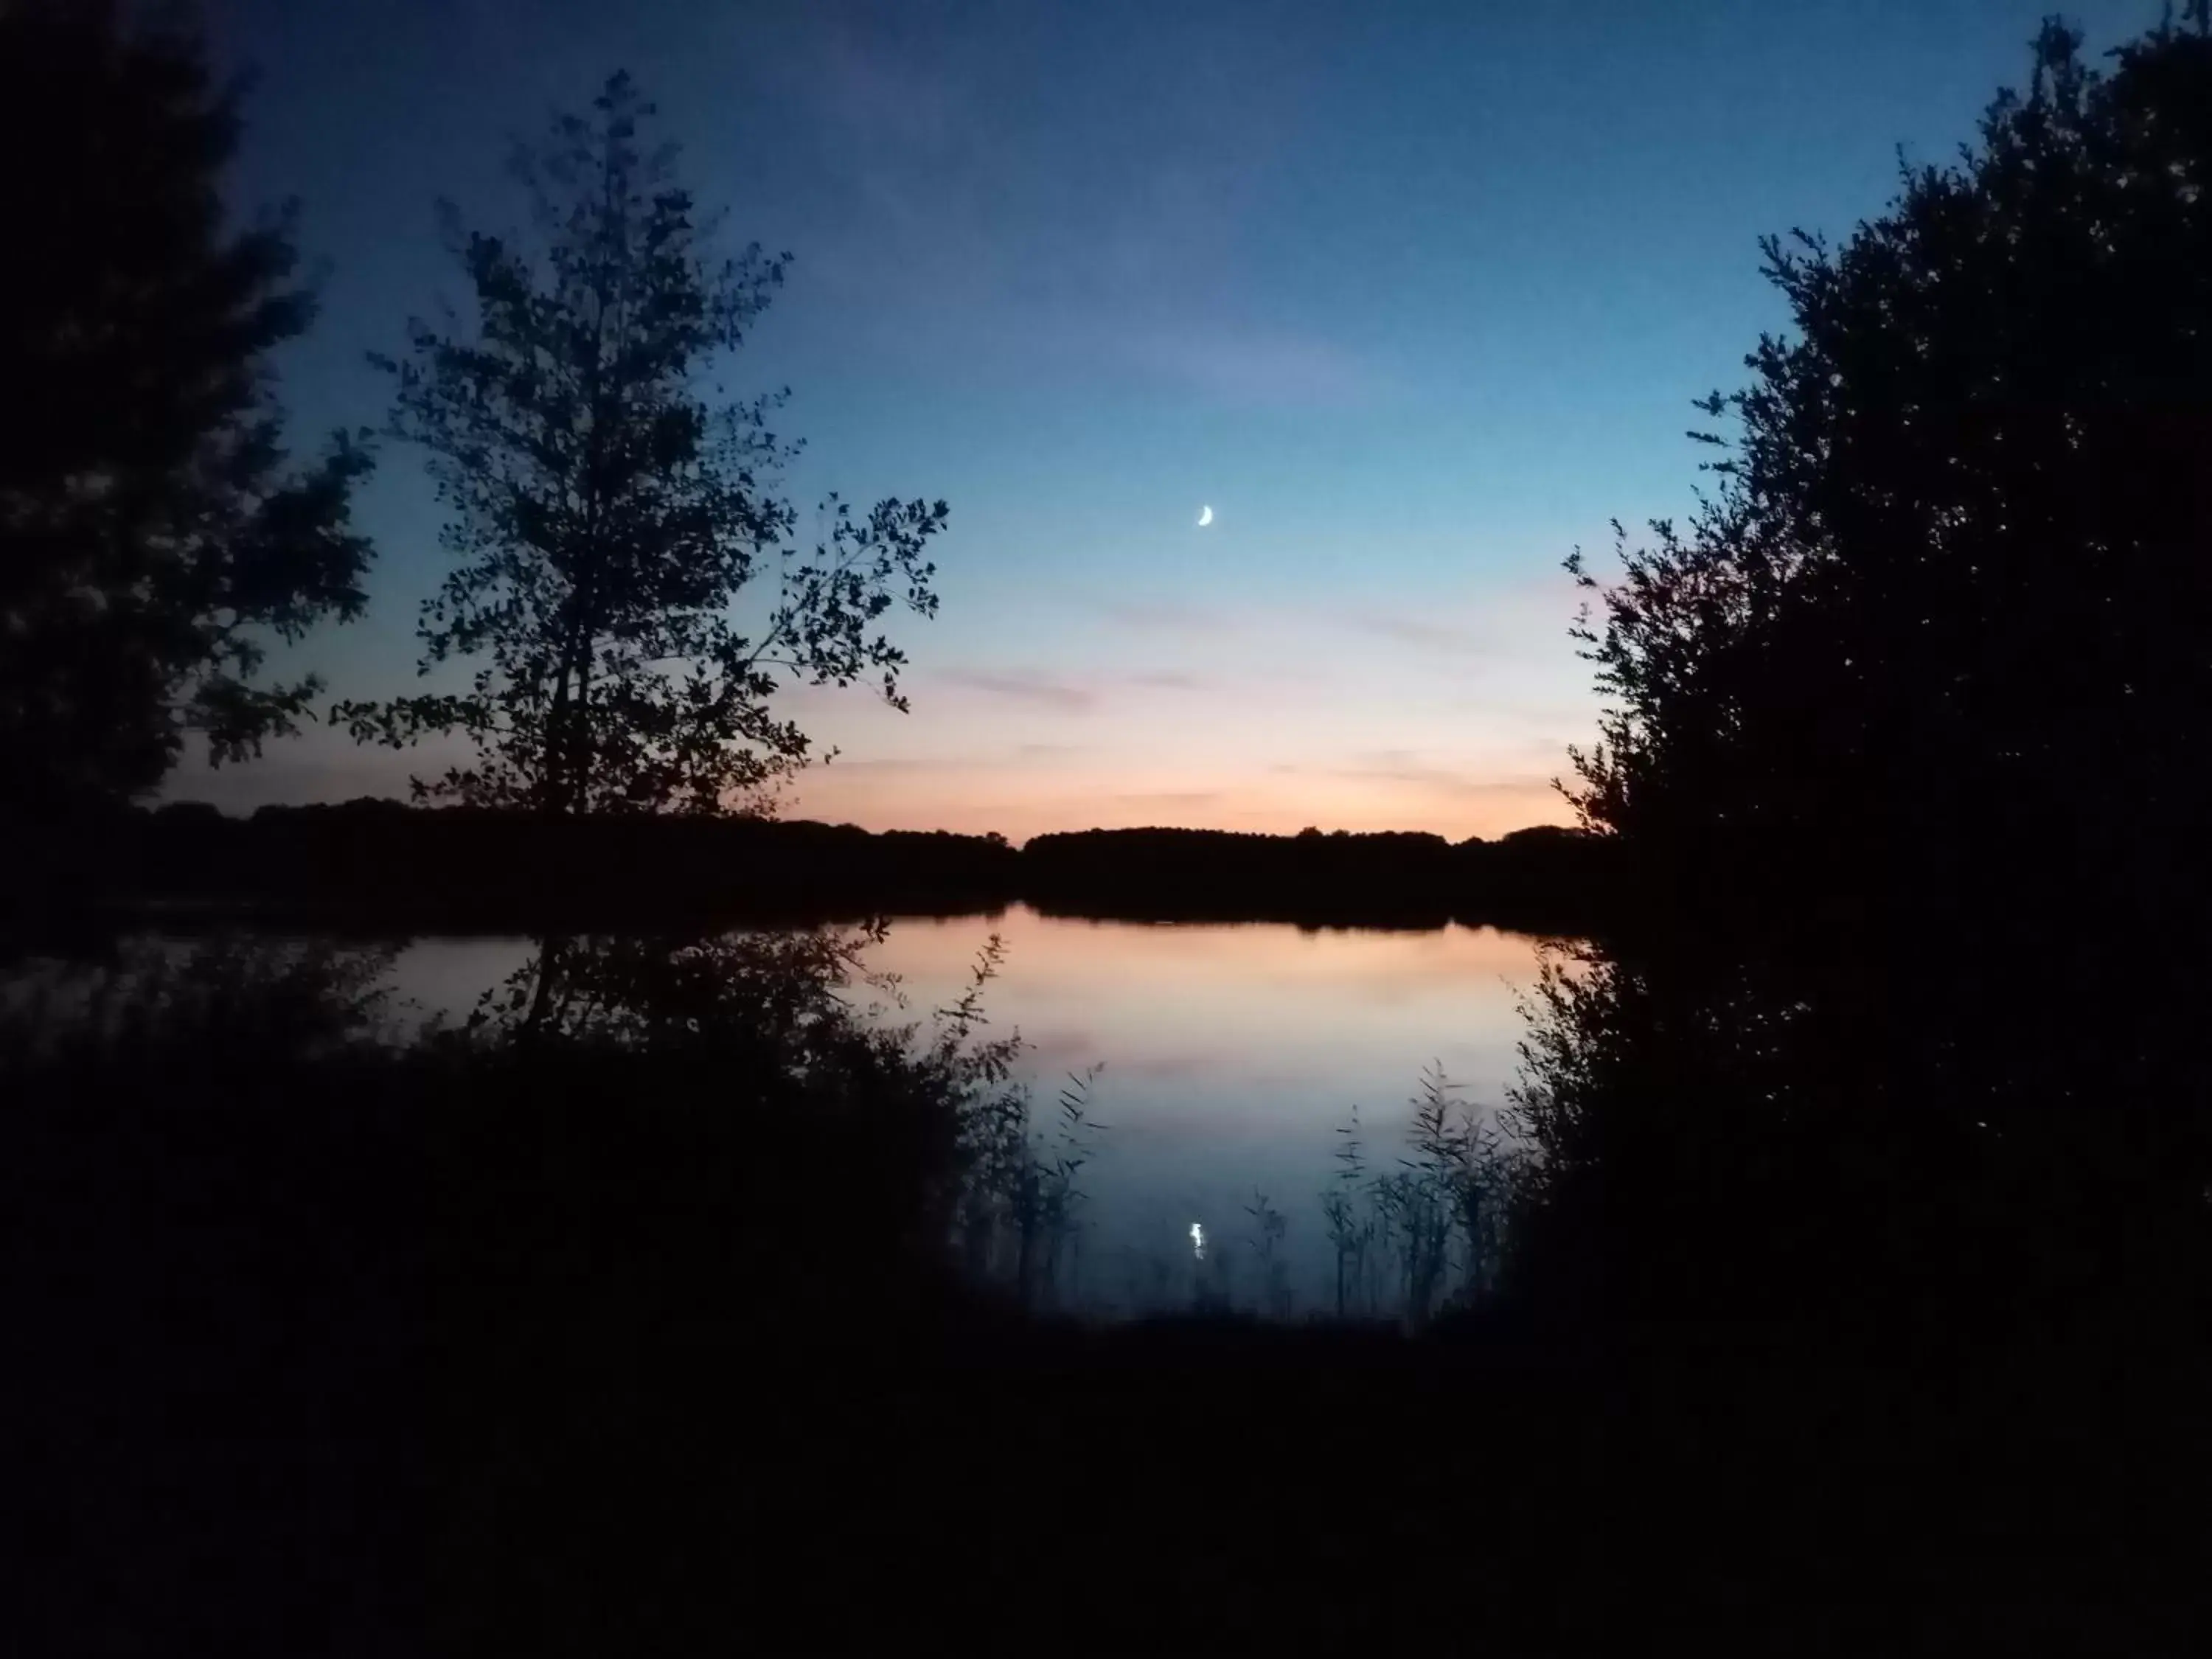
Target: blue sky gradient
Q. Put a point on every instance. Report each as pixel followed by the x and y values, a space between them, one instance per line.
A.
pixel 1415 296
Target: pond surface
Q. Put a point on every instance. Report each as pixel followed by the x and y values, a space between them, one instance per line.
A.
pixel 1232 1054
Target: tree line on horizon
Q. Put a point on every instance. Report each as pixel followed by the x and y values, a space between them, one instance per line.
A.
pixel 383 861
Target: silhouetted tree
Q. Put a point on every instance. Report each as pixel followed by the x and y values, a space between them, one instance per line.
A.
pixel 1952 569
pixel 606 512
pixel 152 536
pixel 1907 740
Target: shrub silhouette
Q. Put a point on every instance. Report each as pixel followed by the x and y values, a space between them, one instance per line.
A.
pixel 1903 759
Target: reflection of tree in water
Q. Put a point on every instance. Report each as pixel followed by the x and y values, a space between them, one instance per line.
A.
pixel 783 988
pixel 803 1006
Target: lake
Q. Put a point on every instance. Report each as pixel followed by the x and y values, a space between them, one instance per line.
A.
pixel 1232 1055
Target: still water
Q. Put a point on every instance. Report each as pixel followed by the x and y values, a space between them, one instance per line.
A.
pixel 1232 1053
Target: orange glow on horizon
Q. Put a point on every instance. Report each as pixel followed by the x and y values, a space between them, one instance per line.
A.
pixel 978 801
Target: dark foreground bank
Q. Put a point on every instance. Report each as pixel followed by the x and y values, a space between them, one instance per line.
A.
pixel 310 1433
pixel 583 1350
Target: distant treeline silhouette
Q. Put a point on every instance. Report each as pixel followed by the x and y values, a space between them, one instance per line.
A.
pixel 381 864
pixel 1546 878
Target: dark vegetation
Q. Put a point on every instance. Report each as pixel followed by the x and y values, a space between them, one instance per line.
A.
pixel 1545 879
pixel 634 1329
pixel 1902 764
pixel 383 866
pixel 159 536
pixel 319 1308
pixel 1852 1293
pixel 607 517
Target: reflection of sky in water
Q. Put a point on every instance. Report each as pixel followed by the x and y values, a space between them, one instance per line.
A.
pixel 1232 1052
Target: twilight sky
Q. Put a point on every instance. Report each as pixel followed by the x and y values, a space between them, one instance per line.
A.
pixel 1415 296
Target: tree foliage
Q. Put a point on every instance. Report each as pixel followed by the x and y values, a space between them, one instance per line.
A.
pixel 1931 653
pixel 608 506
pixel 154 536
pixel 1953 571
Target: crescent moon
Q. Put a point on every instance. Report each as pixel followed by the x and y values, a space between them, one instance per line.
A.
pixel 1205 515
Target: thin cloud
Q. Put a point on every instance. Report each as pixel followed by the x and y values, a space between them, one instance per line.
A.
pixel 1022 685
pixel 1171 614
pixel 957 223
pixel 1174 799
pixel 1413 630
pixel 1386 760
pixel 1068 695
pixel 1404 766
pixel 1269 370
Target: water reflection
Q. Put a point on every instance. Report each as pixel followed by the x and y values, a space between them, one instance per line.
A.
pixel 1233 1054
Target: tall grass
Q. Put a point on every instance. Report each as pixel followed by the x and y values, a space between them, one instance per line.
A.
pixel 1431 1234
pixel 1021 1223
pixel 1424 1231
pixel 1270 1226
